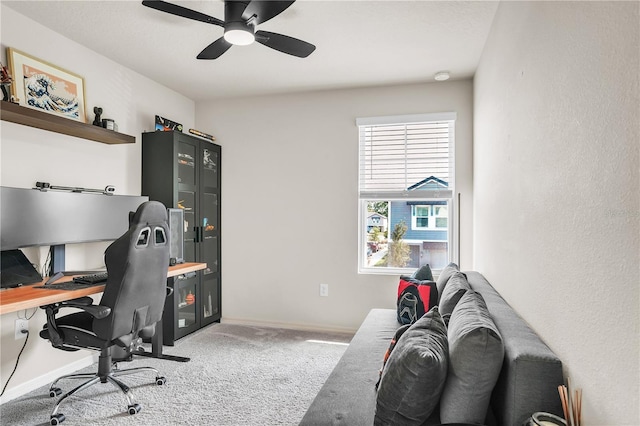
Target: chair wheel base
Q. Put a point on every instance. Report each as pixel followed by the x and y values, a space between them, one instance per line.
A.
pixel 134 409
pixel 56 419
pixel 53 392
pixel 161 380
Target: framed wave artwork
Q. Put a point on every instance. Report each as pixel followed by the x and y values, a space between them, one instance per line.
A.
pixel 46 87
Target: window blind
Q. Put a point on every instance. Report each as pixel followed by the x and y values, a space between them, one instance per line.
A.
pixel 410 156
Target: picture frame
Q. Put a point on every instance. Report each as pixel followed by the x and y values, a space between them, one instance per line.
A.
pixel 40 85
pixel 166 125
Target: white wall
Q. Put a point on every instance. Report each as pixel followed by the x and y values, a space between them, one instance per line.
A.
pixel 556 183
pixel 289 199
pixel 28 155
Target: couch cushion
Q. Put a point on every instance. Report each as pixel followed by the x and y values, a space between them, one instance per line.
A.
pixel 348 397
pixel 444 276
pixel 475 359
pixel 456 287
pixel 415 373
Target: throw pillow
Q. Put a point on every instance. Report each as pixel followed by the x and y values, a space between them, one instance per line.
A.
pixel 456 287
pixel 476 352
pixel 392 345
pixel 424 273
pixel 415 373
pixel 444 276
pixel 415 298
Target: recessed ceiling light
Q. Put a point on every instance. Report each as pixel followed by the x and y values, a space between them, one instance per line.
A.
pixel 442 76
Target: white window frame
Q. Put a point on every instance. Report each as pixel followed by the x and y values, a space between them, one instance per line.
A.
pixel 418 195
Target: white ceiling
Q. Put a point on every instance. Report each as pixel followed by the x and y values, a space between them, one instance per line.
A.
pixel 358 43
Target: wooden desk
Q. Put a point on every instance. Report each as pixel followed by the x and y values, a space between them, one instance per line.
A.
pixel 28 296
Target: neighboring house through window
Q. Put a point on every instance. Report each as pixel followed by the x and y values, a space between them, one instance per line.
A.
pixel 376 220
pixel 406 192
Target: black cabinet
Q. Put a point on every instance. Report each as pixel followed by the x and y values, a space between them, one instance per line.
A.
pixel 183 171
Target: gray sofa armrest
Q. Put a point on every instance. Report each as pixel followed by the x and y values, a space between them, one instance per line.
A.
pixel 531 372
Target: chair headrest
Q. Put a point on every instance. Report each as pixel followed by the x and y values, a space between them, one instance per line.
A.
pixel 149 212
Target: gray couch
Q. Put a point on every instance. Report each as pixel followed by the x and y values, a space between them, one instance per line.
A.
pixel 528 380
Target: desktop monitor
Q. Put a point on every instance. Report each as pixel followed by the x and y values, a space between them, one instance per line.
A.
pixel 30 217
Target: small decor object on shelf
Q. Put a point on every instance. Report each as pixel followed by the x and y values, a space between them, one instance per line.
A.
pixel 109 124
pixel 98 112
pixel 165 125
pixel 208 161
pixel 202 135
pixel 46 87
pixel 190 299
pixel 6 82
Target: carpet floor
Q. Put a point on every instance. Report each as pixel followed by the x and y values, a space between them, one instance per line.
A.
pixel 238 375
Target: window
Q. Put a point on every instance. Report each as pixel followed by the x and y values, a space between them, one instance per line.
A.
pixel 430 216
pixel 420 217
pixel 441 216
pixel 406 170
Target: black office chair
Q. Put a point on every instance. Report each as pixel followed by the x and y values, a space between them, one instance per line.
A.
pixel 131 305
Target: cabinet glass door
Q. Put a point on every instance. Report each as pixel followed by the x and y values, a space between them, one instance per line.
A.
pixel 186 157
pixel 209 171
pixel 187 202
pixel 210 302
pixel 186 298
pixel 209 245
pixel 209 208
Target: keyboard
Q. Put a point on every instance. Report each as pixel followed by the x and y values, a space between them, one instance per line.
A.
pixel 82 281
pixel 69 285
pixel 94 279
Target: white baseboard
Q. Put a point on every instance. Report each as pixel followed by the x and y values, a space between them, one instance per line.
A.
pixel 45 379
pixel 288 326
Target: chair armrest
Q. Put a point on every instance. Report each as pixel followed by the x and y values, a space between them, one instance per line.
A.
pixel 85 304
pixel 86 301
pixel 82 303
pixel 96 311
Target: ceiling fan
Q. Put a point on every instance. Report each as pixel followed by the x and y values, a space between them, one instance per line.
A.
pixel 240 21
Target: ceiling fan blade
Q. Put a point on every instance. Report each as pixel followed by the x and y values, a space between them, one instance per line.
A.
pixel 265 10
pixel 285 44
pixel 215 49
pixel 174 9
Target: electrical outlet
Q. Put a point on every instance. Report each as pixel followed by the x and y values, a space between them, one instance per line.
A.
pixel 21 325
pixel 324 290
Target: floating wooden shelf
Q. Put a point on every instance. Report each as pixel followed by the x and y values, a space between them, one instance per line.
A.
pixel 42 120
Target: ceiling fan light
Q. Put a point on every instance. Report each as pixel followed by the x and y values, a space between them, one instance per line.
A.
pixel 239 37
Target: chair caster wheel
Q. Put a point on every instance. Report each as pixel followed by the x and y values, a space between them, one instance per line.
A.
pixel 161 381
pixel 56 419
pixel 53 392
pixel 134 409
